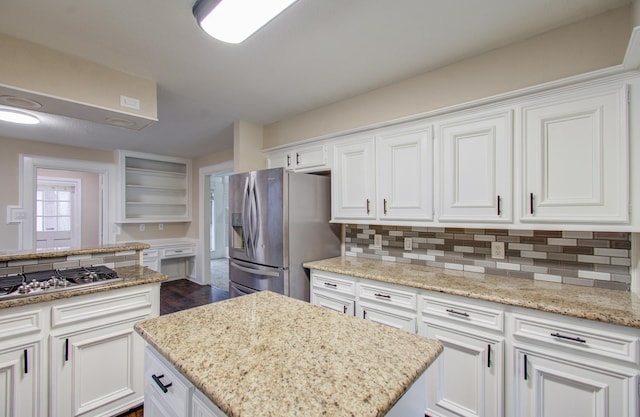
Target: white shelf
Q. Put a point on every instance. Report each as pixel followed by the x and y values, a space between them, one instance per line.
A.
pixel 154 188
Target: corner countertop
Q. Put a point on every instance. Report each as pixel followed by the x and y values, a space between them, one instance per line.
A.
pixel 131 276
pixel 57 252
pixel 265 354
pixel 609 306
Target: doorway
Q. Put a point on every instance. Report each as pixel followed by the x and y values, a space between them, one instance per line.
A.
pixel 212 264
pixel 219 251
pixel 80 202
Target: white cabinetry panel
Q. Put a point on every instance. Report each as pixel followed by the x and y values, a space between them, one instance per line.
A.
pixel 20 381
pixel 576 160
pixel 547 385
pixel 353 180
pixel 405 174
pixel 477 168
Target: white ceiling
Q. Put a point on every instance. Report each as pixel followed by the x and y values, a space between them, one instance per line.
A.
pixel 315 53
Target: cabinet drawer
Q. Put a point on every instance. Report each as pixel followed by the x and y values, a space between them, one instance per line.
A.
pixel 463 313
pixel 330 282
pixel 576 338
pixel 393 297
pixel 178 389
pixel 20 324
pixel 178 252
pixel 388 316
pixel 333 302
pixel 93 307
pixel 149 253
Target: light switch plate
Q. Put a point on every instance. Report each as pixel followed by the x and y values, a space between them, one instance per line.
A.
pixel 408 243
pixel 15 214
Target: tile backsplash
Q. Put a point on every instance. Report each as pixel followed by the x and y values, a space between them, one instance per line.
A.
pixel 600 259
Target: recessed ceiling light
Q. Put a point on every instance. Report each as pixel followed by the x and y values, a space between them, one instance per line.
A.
pixel 18 117
pixel 23 102
pixel 233 21
pixel 116 121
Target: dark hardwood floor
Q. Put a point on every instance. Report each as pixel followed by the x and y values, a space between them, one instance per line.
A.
pixel 179 295
pixel 182 294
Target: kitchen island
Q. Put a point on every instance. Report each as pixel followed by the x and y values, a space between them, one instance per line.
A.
pixel 265 354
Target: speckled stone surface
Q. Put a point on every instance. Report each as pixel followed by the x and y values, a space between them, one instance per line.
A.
pixel 265 354
pixel 609 306
pixel 131 276
pixel 54 253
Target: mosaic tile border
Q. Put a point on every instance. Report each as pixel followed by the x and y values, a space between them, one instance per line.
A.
pixel 594 259
pixel 108 259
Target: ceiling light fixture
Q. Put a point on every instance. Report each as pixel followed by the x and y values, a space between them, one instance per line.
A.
pixel 233 21
pixel 18 117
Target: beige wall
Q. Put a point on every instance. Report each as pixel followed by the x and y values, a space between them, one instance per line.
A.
pixel 9 175
pixel 635 13
pixel 588 45
pixel 247 147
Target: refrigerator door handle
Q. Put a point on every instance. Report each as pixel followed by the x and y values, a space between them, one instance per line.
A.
pixel 246 233
pixel 255 219
pixel 254 271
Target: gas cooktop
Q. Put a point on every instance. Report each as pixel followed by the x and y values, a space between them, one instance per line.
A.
pixel 33 283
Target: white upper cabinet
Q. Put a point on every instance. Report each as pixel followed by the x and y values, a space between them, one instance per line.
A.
pixel 476 158
pixel 576 158
pixel 353 180
pixel 387 176
pixel 310 158
pixel 405 174
pixel 154 188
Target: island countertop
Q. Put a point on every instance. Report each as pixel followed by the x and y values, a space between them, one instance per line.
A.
pixel 265 354
pixel 608 306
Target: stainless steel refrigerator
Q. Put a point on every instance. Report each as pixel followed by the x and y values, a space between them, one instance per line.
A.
pixel 278 220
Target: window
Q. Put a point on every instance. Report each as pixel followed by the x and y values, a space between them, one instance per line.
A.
pixel 53 208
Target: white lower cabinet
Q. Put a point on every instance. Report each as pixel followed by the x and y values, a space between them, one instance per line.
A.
pixel 169 394
pixel 551 386
pixel 96 368
pixel 333 292
pixel 20 376
pixel 467 379
pixel 501 360
pixel 75 357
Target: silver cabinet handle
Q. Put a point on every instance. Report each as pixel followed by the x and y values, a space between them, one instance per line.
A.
pixel 452 311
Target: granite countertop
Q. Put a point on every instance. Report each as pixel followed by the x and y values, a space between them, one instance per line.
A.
pixel 609 306
pixel 131 276
pixel 56 252
pixel 265 354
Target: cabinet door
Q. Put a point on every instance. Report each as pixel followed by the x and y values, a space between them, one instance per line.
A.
pixel 405 180
pixel 552 387
pixel 389 317
pixel 353 190
pixel 332 302
pixel 96 370
pixel 576 159
pixel 153 407
pixel 20 376
pixel 467 378
pixel 310 157
pixel 279 160
pixel 476 169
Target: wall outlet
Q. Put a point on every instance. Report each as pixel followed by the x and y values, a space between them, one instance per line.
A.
pixel 160 226
pixel 497 250
pixel 377 241
pixel 408 243
pixel 142 227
